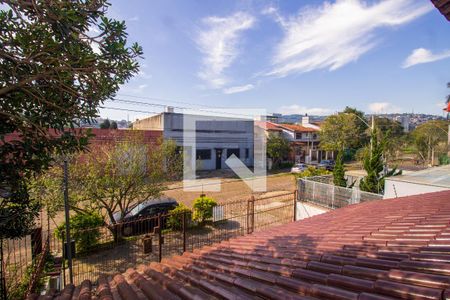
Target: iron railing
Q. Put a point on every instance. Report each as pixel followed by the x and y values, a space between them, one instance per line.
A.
pixel 121 246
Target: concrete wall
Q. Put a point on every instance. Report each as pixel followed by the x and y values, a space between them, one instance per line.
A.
pixel 306 210
pixel 150 123
pixel 393 189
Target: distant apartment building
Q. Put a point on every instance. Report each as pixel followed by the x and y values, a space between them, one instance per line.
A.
pixel 217 138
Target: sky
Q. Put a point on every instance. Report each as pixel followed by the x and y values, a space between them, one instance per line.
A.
pixel 286 56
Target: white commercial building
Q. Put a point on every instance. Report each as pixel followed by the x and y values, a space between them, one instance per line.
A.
pixel 426 181
pixel 217 138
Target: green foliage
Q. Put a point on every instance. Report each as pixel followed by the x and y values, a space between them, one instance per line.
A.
pixel 312 171
pixel 113 125
pixel 278 148
pixel 175 219
pixel 106 124
pixel 339 171
pixel 373 164
pixel 203 209
pixel 52 78
pixel 84 229
pixel 340 132
pixel 444 159
pixel 362 134
pixel 430 139
pixel 18 291
pixel 285 165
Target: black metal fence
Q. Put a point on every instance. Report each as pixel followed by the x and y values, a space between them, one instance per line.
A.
pixel 116 248
pixel 111 249
pixel 21 261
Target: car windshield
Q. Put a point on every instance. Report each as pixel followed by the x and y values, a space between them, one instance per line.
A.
pixel 137 209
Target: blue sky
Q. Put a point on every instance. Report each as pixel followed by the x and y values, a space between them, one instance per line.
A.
pixel 287 56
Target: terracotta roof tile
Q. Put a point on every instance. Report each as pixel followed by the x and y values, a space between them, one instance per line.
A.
pixel 298 128
pixel 388 249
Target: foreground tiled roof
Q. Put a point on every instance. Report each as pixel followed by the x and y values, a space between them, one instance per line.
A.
pixel 443 6
pixel 379 250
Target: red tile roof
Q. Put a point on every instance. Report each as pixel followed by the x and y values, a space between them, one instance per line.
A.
pixel 387 249
pixel 298 128
pixel 268 125
pixel 443 6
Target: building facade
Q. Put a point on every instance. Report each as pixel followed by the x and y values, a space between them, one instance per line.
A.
pixel 217 138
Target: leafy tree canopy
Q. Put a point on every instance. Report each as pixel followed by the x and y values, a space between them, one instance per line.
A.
pixel 339 132
pixel 277 148
pixel 430 137
pixel 58 62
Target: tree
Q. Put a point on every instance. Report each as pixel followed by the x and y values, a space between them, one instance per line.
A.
pixel 106 124
pixel 339 170
pixel 374 164
pixel 394 135
pixel 113 125
pixel 430 138
pixel 112 178
pixel 54 73
pixel 362 136
pixel 339 132
pixel 277 148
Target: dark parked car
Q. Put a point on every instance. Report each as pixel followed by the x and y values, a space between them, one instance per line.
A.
pixel 142 218
pixel 327 164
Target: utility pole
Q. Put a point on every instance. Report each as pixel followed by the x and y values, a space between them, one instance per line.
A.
pixel 68 246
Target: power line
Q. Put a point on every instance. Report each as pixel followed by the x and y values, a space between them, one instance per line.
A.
pixel 177 107
pixel 173 101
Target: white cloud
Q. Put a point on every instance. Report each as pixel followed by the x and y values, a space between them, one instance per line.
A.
pixel 133 19
pixel 142 86
pixel 421 56
pixel 383 107
pixel 218 41
pixel 335 34
pixel 297 109
pixel 238 89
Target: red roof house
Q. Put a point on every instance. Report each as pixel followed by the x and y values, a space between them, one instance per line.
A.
pixel 388 249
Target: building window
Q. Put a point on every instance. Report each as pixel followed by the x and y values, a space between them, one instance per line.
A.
pixel 203 154
pixel 314 136
pixel 298 135
pixel 233 151
pixel 247 153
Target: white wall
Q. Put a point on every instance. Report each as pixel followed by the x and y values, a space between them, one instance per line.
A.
pixel 223 133
pixel 393 189
pixel 306 210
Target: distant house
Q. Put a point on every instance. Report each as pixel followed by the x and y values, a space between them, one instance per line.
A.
pixel 269 127
pixel 304 139
pixel 305 142
pixel 217 138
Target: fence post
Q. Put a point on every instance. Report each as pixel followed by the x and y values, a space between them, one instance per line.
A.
pixel 66 210
pixel 159 238
pixel 36 242
pixel 3 293
pixel 250 215
pixel 184 231
pixel 295 204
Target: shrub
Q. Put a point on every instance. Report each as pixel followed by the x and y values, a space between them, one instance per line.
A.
pixel 175 219
pixel 285 165
pixel 312 171
pixel 84 229
pixel 203 209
